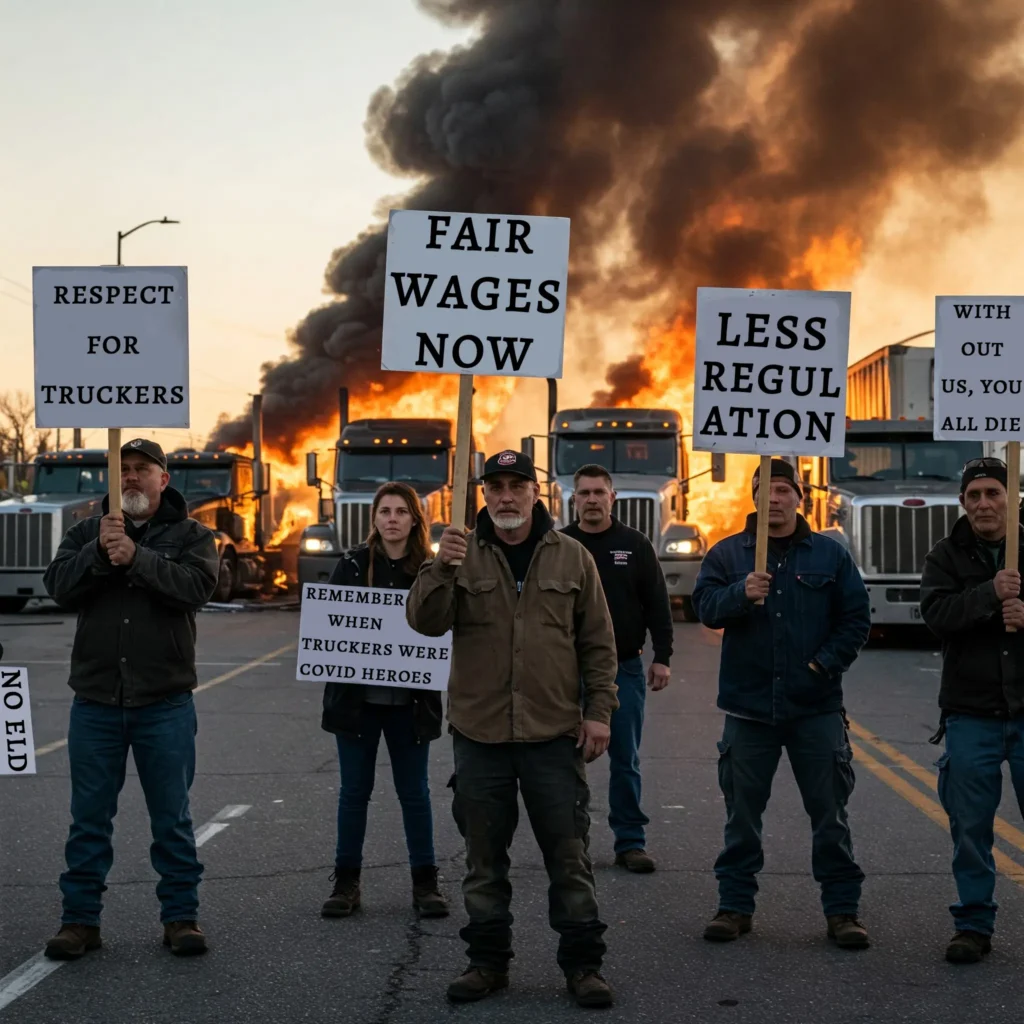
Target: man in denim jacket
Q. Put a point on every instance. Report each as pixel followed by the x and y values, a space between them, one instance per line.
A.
pixel 780 685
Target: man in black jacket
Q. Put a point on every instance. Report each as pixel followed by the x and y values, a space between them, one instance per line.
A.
pixel 136 580
pixel 634 586
pixel 968 599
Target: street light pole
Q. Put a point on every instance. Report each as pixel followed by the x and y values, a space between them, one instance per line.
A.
pixel 121 235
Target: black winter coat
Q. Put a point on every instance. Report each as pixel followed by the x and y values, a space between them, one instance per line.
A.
pixel 343 702
pixel 135 641
pixel 982 664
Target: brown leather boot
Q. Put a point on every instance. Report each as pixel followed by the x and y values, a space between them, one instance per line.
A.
pixel 726 926
pixel 589 989
pixel 475 983
pixel 847 931
pixel 426 897
pixel 968 947
pixel 346 897
pixel 639 862
pixel 185 938
pixel 73 941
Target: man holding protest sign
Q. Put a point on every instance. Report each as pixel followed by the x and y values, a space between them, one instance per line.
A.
pixel 789 635
pixel 529 621
pixel 136 579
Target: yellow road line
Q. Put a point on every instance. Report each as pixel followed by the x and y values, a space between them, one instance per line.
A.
pixel 49 748
pixel 1007 832
pixel 930 808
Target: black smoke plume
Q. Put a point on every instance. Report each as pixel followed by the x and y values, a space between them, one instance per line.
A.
pixel 710 141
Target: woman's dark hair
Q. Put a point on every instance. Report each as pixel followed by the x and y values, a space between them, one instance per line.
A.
pixel 417 549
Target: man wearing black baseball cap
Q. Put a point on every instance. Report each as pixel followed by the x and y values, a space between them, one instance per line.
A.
pixel 529 623
pixel 969 597
pixel 136 579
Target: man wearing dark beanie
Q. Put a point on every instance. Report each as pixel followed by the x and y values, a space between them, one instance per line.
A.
pixel 780 685
pixel 968 599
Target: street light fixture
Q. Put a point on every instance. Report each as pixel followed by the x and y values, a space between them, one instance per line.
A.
pixel 121 235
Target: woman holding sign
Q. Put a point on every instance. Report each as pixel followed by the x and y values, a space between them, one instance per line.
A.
pixel 408 719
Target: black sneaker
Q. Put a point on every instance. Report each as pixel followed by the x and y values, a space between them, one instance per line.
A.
pixel 968 947
pixel 346 897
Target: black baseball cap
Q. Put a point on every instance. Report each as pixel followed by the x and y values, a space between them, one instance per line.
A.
pixel 149 449
pixel 979 469
pixel 781 470
pixel 509 461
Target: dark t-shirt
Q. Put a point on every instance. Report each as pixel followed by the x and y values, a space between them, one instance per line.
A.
pixel 518 557
pixel 781 545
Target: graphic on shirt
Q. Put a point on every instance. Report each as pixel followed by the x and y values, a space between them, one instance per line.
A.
pixel 620 557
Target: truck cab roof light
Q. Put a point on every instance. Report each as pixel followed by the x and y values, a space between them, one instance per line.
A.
pixel 376 440
pixel 629 423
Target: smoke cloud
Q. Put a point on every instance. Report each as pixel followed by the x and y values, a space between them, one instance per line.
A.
pixel 708 142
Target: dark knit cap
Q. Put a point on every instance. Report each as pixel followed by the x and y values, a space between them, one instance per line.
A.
pixel 978 469
pixel 780 470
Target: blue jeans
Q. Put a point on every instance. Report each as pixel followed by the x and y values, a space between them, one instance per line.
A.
pixel 358 761
pixel 626 819
pixel 820 755
pixel 970 785
pixel 162 740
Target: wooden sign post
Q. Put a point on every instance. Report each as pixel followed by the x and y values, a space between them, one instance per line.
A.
pixel 474 294
pixel 114 468
pixel 979 364
pixel 763 496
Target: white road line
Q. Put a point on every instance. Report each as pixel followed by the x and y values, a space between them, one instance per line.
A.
pixel 33 970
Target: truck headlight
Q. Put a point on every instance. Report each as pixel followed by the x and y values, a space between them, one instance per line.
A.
pixel 319 545
pixel 682 547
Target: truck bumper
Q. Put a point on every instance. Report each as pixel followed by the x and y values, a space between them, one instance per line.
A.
pixel 316 568
pixel 895 604
pixel 680 576
pixel 22 584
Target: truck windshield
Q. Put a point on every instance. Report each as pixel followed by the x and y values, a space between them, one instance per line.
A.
pixel 656 456
pixel 904 460
pixel 197 481
pixel 379 467
pixel 70 479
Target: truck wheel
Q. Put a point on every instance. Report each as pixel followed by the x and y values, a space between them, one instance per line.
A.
pixel 684 612
pixel 225 579
pixel 12 605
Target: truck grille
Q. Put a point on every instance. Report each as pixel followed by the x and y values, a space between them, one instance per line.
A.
pixel 26 540
pixel 895 538
pixel 353 523
pixel 635 512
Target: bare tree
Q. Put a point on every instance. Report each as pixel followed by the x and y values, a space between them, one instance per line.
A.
pixel 20 441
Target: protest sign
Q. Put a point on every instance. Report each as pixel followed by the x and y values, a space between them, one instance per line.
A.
pixel 19 751
pixel 360 635
pixel 474 294
pixel 111 350
pixel 770 377
pixel 979 369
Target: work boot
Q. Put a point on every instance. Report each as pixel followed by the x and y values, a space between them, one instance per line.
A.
pixel 637 861
pixel 345 898
pixel 73 941
pixel 848 932
pixel 185 938
pixel 589 989
pixel 727 926
pixel 968 947
pixel 475 983
pixel 426 897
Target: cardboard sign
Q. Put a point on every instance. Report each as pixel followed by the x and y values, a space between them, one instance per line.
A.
pixel 475 294
pixel 771 372
pixel 111 346
pixel 19 749
pixel 360 635
pixel 979 368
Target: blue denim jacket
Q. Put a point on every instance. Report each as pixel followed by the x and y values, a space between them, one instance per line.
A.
pixel 817 610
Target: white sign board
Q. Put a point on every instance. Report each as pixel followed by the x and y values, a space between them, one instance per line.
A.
pixel 979 368
pixel 19 749
pixel 111 346
pixel 475 293
pixel 770 375
pixel 360 635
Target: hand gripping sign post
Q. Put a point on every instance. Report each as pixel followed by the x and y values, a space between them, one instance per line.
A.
pixel 770 379
pixel 111 351
pixel 19 750
pixel 474 294
pixel 979 370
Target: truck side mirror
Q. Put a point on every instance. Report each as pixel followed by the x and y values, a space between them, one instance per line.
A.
pixel 312 476
pixel 477 465
pixel 718 467
pixel 527 447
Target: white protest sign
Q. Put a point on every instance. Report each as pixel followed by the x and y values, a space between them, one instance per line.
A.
pixel 979 367
pixel 770 373
pixel 19 749
pixel 111 346
pixel 360 635
pixel 475 294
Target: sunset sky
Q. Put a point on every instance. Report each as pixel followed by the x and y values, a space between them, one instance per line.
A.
pixel 243 120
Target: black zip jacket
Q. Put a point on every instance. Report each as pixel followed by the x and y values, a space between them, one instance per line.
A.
pixel 982 664
pixel 634 586
pixel 136 635
pixel 343 702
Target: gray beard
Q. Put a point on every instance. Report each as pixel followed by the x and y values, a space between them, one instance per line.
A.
pixel 135 504
pixel 509 520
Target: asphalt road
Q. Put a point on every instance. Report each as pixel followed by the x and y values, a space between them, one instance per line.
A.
pixel 266 792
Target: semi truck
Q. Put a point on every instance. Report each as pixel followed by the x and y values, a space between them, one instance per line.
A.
pixel 895 490
pixel 368 453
